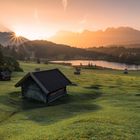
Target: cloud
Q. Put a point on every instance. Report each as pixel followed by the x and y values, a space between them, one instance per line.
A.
pixel 65 4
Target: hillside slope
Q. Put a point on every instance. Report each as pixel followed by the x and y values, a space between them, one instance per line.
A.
pixel 50 50
pixel 104 106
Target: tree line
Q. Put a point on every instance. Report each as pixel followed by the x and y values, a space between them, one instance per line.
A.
pixel 120 54
pixel 45 50
pixel 7 61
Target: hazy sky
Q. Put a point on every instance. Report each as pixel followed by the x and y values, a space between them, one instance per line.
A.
pixel 42 18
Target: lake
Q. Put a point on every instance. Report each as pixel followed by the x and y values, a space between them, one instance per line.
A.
pixel 106 64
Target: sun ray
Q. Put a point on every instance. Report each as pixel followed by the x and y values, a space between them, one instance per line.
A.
pixel 16 39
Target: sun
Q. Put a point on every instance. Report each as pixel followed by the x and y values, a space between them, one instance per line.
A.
pixel 18 34
pixel 33 32
pixel 16 38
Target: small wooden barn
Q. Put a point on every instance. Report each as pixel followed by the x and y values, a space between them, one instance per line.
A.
pixel 5 75
pixel 77 71
pixel 45 86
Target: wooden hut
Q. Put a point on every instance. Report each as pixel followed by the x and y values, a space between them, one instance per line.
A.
pixel 77 71
pixel 45 86
pixel 5 75
pixel 125 71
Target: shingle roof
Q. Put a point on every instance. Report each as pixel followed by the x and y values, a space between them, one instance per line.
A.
pixel 49 80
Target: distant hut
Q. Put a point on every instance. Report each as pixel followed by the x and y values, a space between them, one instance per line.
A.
pixel 5 75
pixel 45 86
pixel 126 71
pixel 77 71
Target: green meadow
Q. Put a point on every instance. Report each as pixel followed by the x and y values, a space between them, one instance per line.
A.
pixel 103 105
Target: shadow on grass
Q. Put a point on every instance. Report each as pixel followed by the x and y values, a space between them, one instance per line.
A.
pixel 96 87
pixel 65 107
pixel 15 100
pixel 74 97
pixel 138 94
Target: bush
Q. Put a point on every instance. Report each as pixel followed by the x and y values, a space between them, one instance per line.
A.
pixel 10 64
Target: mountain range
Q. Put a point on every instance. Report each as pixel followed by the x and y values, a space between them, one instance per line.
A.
pixel 111 36
pixel 122 36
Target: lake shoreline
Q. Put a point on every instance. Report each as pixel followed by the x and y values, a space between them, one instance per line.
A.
pixel 98 64
pixel 87 59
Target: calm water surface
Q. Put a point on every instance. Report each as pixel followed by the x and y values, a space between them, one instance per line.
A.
pixel 106 64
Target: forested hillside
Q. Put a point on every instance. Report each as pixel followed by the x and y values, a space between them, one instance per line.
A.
pixel 45 50
pixel 120 54
pixel 8 62
pixel 49 50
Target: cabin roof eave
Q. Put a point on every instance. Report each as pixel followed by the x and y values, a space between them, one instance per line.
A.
pixel 30 74
pixel 39 83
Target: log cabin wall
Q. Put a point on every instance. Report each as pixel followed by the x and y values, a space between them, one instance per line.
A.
pixel 32 91
pixel 54 95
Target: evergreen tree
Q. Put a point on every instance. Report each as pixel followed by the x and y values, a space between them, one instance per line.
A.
pixel 1 57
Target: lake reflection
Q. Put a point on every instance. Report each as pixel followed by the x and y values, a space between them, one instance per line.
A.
pixel 106 64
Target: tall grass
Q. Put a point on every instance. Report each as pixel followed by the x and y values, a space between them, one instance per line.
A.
pixel 105 105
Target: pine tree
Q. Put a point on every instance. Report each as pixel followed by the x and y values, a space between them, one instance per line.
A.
pixel 1 58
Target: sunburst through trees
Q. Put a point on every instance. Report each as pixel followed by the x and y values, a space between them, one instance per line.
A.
pixel 16 39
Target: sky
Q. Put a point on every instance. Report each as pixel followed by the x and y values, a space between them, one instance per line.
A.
pixel 40 19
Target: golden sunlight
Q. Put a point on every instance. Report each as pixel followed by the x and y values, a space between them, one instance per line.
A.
pixel 32 32
pixel 18 34
pixel 16 38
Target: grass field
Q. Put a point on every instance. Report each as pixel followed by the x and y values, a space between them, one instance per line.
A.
pixel 104 106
